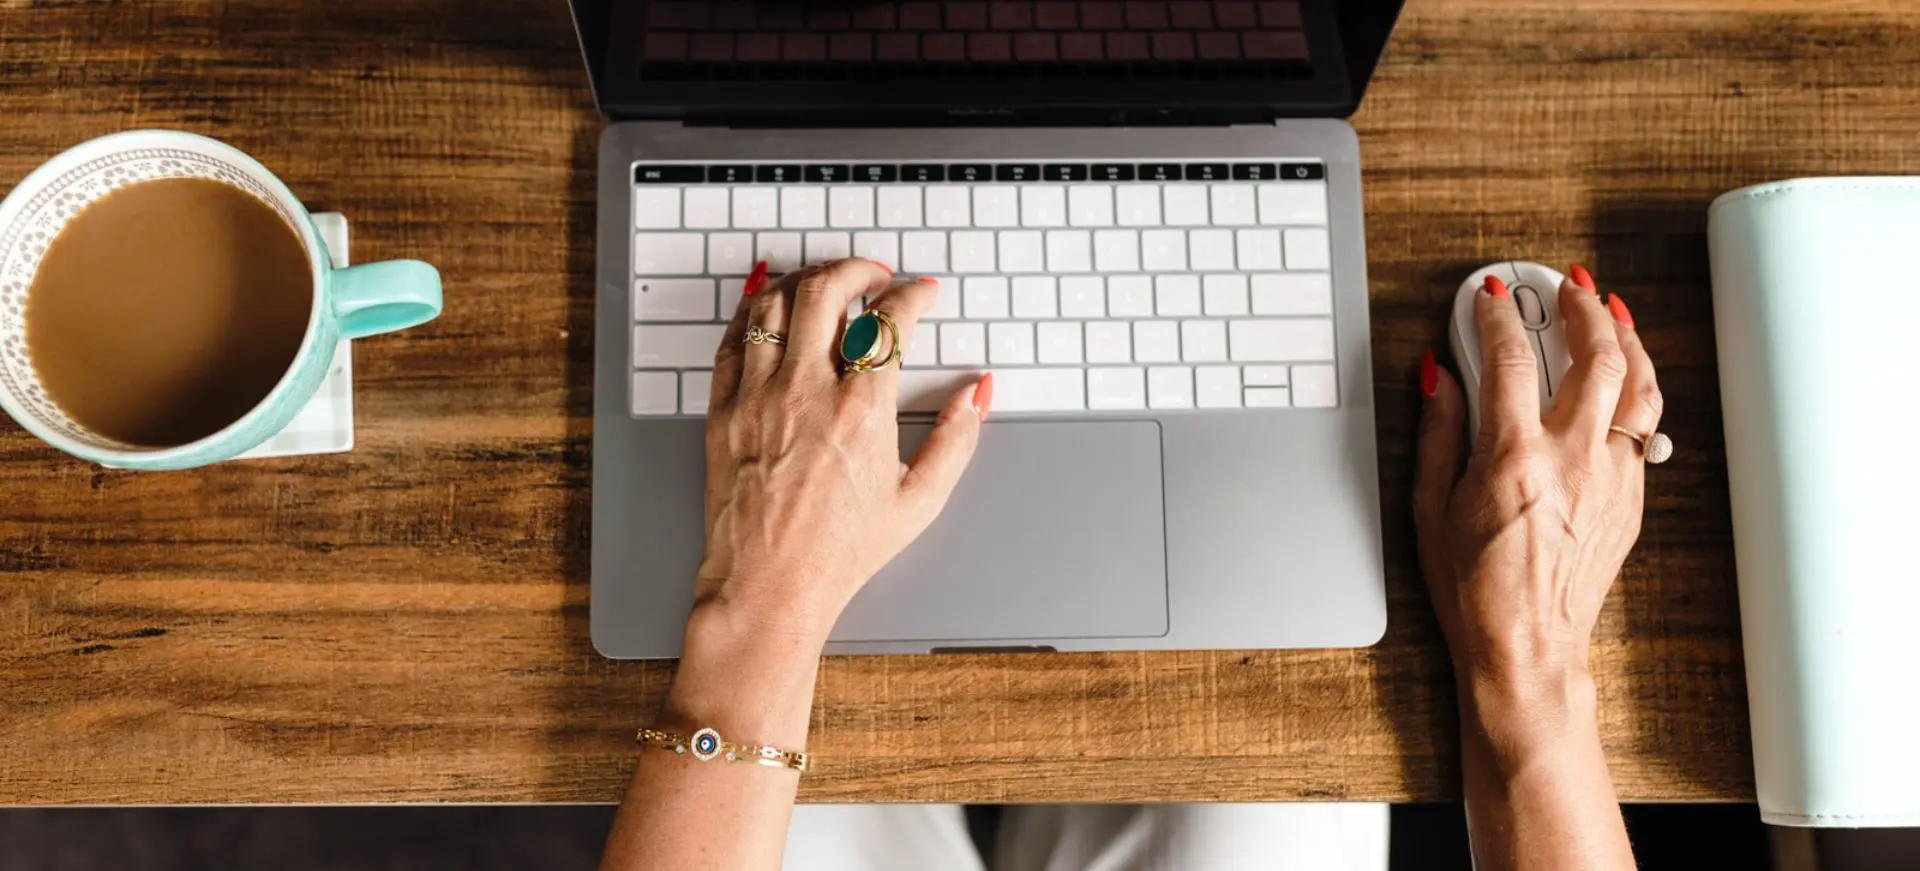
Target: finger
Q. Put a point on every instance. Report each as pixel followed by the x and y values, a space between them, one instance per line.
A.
pixel 1591 388
pixel 731 357
pixel 904 303
pixel 1442 431
pixel 819 303
pixel 768 310
pixel 933 471
pixel 1510 377
pixel 1640 404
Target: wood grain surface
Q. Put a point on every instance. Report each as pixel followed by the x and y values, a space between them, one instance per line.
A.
pixel 408 622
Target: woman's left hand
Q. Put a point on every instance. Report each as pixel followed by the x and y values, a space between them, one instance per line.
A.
pixel 807 494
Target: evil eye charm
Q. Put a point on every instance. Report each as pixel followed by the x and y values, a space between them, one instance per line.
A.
pixel 706 744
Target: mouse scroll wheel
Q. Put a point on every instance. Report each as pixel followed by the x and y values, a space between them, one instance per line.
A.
pixel 1533 313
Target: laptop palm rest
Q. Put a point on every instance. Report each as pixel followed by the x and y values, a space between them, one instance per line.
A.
pixel 1057 530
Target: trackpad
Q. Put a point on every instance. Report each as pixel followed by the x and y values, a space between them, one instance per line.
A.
pixel 1056 531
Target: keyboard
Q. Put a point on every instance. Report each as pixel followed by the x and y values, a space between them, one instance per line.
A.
pixel 1085 287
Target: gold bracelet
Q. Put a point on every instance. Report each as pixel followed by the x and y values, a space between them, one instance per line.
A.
pixel 706 744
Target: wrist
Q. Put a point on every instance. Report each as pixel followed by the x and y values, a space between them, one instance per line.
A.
pixel 1519 710
pixel 751 680
pixel 789 607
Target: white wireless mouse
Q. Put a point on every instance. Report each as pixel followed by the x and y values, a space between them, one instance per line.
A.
pixel 1536 290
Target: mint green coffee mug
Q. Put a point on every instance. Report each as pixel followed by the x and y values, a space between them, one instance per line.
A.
pixel 348 303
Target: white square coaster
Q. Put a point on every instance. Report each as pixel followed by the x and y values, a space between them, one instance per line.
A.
pixel 325 425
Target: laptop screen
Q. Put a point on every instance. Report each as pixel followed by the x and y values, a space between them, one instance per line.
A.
pixel 1016 61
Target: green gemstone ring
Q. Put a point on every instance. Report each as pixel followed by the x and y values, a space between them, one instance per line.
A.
pixel 861 347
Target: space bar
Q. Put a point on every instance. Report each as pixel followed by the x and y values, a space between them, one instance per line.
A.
pixel 1013 389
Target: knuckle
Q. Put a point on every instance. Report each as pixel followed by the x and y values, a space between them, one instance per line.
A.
pixel 1608 362
pixel 1650 401
pixel 1511 357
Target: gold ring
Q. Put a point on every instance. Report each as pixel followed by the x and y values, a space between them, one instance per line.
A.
pixel 757 336
pixel 860 345
pixel 1656 448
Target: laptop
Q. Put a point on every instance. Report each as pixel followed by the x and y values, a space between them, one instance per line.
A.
pixel 1145 219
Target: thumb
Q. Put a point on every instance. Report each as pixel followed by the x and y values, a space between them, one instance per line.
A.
pixel 1442 432
pixel 948 449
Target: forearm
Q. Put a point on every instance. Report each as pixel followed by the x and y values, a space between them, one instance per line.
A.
pixel 755 686
pixel 1537 789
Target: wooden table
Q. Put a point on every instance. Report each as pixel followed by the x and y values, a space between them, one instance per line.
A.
pixel 408 622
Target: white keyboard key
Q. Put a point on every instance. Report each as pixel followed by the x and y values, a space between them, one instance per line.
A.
pixel 1264 376
pixel 781 251
pixel 1059 342
pixel 899 206
pixel 729 253
pixel 1022 251
pixel 730 291
pixel 923 252
pixel 707 210
pixel 946 306
pixel 1178 296
pixel 656 207
pixel 850 206
pixel 1033 297
pixel 1294 202
pixel 1116 250
pixel 929 389
pixel 1083 296
pixel 1116 389
pixel 803 208
pixel 1043 205
pixel 1090 205
pixel 1296 293
pixel 1226 295
pixel 1187 205
pixel 963 343
pixel 1038 390
pixel 1130 296
pixel 696 390
pixel 1163 250
pixel 878 247
pixel 1217 387
pixel 1069 251
pixel 1169 387
pixel 756 208
pixel 984 299
pixel 996 205
pixel 669 253
pixel 1267 397
pixel 656 393
pixel 971 251
pixel 673 299
pixel 1280 341
pixel 1010 343
pixel 1314 387
pixel 1109 342
pixel 1203 341
pixel 1156 341
pixel 1138 205
pixel 1307 250
pixel 1233 205
pixel 1259 249
pixel 947 206
pixel 676 346
pixel 822 247
pixel 1211 250
pixel 922 349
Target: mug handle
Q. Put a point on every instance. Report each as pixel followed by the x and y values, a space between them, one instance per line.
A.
pixel 375 298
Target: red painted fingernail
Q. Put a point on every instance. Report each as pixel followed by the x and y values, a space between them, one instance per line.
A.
pixel 983 395
pixel 889 269
pixel 1429 375
pixel 929 280
pixel 1581 277
pixel 1618 308
pixel 1495 287
pixel 755 279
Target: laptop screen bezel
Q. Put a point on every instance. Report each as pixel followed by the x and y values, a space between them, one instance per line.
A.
pixel 1345 38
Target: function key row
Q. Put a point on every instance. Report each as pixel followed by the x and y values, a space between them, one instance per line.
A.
pixel 871 173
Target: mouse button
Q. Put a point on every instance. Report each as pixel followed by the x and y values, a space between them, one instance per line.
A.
pixel 1533 313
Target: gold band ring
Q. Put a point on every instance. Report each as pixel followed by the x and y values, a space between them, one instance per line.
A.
pixel 1656 448
pixel 757 336
pixel 861 348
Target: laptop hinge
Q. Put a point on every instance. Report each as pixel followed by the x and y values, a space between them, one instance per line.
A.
pixel 950 118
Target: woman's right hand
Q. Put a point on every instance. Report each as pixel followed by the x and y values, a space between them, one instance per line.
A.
pixel 1520 551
